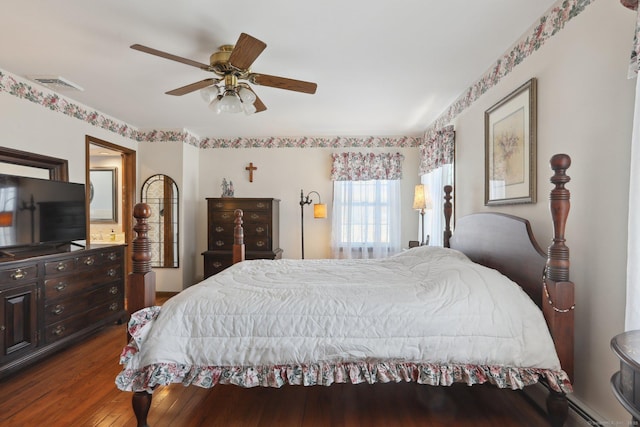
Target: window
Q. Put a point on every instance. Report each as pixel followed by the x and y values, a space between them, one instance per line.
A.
pixel 366 218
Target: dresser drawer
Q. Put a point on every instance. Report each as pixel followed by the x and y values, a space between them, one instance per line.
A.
pixel 109 291
pixel 61 266
pixel 63 309
pixel 233 204
pixel 15 275
pixel 227 218
pixel 69 284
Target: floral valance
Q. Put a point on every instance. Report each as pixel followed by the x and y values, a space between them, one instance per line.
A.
pixel 366 166
pixel 437 150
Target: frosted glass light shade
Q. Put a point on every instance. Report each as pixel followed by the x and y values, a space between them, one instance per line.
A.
pixel 230 103
pixel 247 96
pixel 209 93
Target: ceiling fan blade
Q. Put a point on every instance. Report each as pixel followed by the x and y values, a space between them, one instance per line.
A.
pixel 192 87
pixel 166 55
pixel 246 50
pixel 283 83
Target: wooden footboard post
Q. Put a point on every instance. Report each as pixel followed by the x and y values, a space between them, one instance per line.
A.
pixel 448 210
pixel 558 292
pixel 141 404
pixel 238 237
pixel 142 282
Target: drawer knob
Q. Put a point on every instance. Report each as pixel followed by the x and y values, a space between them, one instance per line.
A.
pixel 261 205
pixel 217 264
pixel 112 256
pixel 58 309
pixel 255 216
pixel 260 243
pixel 19 274
pixel 89 261
pixel 219 205
pixel 61 266
pixel 219 229
pixel 2 328
pixel 113 290
pixel 259 230
pixel 113 306
pixel 111 272
pixel 219 243
pixel 58 330
pixel 60 286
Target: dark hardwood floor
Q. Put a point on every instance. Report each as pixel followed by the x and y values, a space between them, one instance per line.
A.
pixel 76 388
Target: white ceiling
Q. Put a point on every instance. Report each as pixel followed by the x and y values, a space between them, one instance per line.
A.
pixel 383 68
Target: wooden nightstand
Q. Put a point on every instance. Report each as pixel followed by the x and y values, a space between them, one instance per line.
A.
pixel 626 382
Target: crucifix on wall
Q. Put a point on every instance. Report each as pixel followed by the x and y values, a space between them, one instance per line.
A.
pixel 251 168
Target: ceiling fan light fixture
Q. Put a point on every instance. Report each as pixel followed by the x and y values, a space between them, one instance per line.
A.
pixel 209 93
pixel 248 108
pixel 229 103
pixel 246 95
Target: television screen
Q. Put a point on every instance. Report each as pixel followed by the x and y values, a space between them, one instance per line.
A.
pixel 37 211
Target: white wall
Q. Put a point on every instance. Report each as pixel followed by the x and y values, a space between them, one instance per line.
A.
pixel 179 162
pixel 281 174
pixel 585 105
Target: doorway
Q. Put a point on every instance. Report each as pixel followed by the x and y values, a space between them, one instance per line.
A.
pixel 122 163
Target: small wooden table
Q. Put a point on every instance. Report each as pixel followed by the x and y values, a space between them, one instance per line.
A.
pixel 626 382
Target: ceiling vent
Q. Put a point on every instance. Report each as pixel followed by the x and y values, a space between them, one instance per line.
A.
pixel 55 83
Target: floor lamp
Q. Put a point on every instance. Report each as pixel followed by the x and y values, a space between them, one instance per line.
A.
pixel 422 202
pixel 319 211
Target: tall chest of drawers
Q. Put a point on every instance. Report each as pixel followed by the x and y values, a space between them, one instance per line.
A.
pixel 50 302
pixel 261 223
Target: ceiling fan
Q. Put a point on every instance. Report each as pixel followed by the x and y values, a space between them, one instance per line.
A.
pixel 228 92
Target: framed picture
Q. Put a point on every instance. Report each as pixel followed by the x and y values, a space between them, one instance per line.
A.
pixel 102 195
pixel 510 148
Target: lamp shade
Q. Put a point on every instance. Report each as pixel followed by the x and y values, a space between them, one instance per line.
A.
pixel 6 219
pixel 319 210
pixel 419 199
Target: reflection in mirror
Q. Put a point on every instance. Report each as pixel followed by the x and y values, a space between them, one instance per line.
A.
pixel 103 200
pixel 160 192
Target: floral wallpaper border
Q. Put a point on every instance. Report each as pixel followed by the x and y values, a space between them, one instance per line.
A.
pixel 549 25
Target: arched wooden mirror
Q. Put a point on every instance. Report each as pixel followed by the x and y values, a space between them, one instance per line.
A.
pixel 160 192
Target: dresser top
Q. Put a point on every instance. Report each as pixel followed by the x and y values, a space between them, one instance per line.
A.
pixel 243 198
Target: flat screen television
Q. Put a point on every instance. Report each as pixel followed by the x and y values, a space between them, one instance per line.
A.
pixel 37 211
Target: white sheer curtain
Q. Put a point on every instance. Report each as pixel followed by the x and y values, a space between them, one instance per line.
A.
pixel 434 218
pixel 632 313
pixel 366 219
pixel 633 246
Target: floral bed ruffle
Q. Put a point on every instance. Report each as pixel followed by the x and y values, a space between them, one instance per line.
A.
pixel 356 372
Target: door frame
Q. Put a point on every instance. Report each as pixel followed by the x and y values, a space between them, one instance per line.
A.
pixel 128 185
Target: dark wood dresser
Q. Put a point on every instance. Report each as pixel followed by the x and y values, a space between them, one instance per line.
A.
pixel 261 231
pixel 626 382
pixel 49 302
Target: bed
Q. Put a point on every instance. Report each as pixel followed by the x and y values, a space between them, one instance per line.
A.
pixel 434 316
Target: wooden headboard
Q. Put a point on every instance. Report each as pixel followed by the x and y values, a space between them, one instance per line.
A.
pixel 506 243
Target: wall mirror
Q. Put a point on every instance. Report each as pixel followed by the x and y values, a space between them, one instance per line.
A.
pixel 103 200
pixel 160 192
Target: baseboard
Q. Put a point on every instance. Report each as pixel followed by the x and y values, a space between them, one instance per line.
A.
pixel 579 414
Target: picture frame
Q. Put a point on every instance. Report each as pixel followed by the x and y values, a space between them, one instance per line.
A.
pixel 510 148
pixel 103 199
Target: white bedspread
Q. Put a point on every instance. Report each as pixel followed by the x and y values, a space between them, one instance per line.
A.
pixel 427 305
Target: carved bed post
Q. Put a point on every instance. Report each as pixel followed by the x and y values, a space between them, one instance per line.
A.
pixel 448 210
pixel 142 282
pixel 558 292
pixel 238 237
